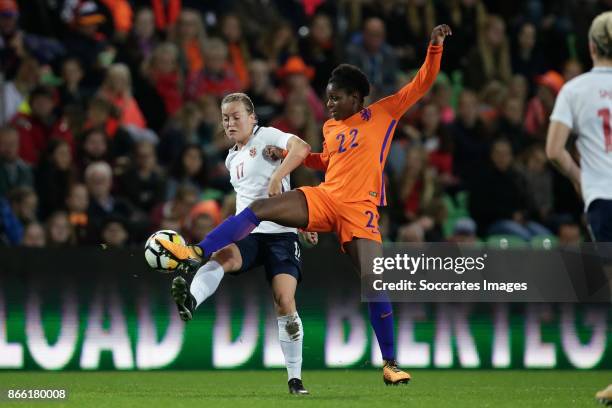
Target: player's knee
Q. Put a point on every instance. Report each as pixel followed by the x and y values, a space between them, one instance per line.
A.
pixel 258 206
pixel 284 303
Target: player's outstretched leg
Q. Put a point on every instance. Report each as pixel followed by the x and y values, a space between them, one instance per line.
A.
pixel 605 396
pixel 289 209
pixel 205 282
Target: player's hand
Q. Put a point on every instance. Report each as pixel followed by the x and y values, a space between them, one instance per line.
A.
pixel 311 238
pixel 273 153
pixel 439 33
pixel 276 186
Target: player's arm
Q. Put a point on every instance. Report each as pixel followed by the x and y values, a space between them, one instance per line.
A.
pixel 318 161
pixel 558 133
pixel 297 151
pixel 399 102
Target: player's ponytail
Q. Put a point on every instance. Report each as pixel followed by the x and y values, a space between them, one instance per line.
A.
pixel 600 34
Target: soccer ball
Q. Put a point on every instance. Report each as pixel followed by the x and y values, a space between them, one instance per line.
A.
pixel 154 254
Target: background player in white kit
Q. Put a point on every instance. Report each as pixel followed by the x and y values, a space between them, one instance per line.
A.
pixel 255 175
pixel 584 105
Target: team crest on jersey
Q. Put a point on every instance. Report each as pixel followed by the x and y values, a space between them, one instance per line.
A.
pixel 366 114
pixel 253 151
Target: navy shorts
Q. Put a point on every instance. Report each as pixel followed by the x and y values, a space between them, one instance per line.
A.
pixel 599 216
pixel 277 253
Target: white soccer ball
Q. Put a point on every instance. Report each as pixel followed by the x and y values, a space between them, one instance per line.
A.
pixel 155 256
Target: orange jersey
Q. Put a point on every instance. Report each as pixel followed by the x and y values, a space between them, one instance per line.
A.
pixel 355 149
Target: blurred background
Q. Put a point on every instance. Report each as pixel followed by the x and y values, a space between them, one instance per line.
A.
pixel 110 129
pixel 111 121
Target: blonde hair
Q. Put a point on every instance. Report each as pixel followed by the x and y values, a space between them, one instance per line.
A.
pixel 240 97
pixel 495 62
pixel 121 70
pixel 600 34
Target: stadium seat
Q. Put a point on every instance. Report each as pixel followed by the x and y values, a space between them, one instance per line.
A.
pixel 505 242
pixel 544 242
pixel 457 207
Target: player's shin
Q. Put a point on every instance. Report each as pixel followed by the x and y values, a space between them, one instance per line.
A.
pixel 206 281
pixel 291 335
pixel 231 230
pixel 381 318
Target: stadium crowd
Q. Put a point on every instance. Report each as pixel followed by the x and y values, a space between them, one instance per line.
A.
pixel 111 129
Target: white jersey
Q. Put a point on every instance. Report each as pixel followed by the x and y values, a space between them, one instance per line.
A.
pixel 250 172
pixel 585 105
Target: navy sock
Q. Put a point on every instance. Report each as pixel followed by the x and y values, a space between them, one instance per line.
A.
pixel 381 318
pixel 231 230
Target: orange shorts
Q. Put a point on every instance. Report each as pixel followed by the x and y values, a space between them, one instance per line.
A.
pixel 348 220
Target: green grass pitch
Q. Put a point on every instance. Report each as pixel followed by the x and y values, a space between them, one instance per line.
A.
pixel 330 388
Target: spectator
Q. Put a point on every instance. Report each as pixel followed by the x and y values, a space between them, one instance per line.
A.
pixel 539 181
pixel 217 78
pixel 375 58
pixel 296 76
pixel 143 183
pixel 17 44
pixel 185 128
pixel 469 16
pixel 162 71
pixel 117 89
pixel 33 236
pixel 115 232
pixel 265 96
pixel 177 208
pixel 471 139
pixel 299 120
pixel 101 114
pixel 277 44
pixel 319 51
pixel 94 147
pixel 526 58
pixel 417 183
pixel 87 43
pixel 72 91
pixel 571 69
pixel 99 181
pixel 490 59
pixel 59 231
pixel 24 204
pixel 141 40
pixel 510 124
pixel 77 203
pixel 14 172
pixel 37 128
pixel 541 105
pixel 54 176
pixel 15 93
pixel 441 96
pixel 238 48
pixel 190 170
pixel 189 36
pixel 464 231
pixel 499 202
